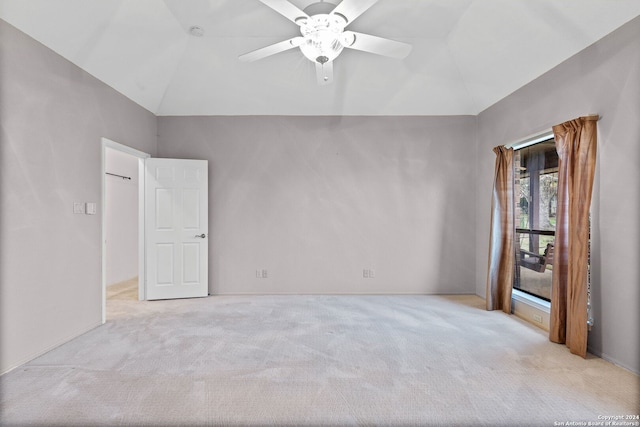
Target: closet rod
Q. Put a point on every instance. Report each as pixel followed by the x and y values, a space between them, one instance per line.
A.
pixel 119 176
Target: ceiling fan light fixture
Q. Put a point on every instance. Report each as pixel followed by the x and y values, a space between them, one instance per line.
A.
pixel 321 47
pixel 322 37
pixel 347 39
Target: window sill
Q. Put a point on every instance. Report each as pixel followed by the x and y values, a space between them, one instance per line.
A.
pixel 533 310
pixel 530 300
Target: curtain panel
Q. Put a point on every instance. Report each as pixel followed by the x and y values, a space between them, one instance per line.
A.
pixel 576 142
pixel 501 244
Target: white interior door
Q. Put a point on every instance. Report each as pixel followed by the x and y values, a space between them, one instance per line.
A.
pixel 176 228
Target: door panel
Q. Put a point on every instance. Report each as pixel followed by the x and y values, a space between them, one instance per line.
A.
pixel 176 216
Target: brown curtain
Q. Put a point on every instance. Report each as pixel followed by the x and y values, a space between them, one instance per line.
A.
pixel 576 142
pixel 501 245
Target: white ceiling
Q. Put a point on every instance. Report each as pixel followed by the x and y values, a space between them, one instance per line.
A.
pixel 467 54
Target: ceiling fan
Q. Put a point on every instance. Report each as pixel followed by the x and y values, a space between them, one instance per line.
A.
pixel 322 26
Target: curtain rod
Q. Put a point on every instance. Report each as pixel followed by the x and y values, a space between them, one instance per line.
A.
pixel 119 176
pixel 541 136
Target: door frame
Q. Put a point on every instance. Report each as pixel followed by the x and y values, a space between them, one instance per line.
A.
pixel 107 143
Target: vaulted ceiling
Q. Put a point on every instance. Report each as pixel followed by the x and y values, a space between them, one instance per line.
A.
pixel 467 54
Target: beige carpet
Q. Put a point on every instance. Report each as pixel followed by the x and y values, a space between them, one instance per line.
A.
pixel 313 360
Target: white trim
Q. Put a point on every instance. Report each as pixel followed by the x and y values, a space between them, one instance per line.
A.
pixel 107 143
pixel 530 300
pixel 58 343
pixel 531 140
pixel 142 267
pixel 124 148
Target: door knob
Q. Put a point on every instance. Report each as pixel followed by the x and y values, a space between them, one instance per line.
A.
pixel 202 236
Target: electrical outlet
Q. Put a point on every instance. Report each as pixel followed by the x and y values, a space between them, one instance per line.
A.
pixel 258 274
pixel 365 273
pixel 372 274
pixel 264 274
pixel 537 318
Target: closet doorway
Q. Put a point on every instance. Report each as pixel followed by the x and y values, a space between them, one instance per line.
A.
pixel 122 197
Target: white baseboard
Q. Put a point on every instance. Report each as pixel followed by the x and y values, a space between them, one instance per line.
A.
pixel 48 349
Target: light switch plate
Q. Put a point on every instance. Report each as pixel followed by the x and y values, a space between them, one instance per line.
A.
pixel 90 208
pixel 78 208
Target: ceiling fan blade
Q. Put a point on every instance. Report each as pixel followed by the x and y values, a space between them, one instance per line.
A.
pixel 351 9
pixel 324 73
pixel 271 49
pixel 288 10
pixel 377 45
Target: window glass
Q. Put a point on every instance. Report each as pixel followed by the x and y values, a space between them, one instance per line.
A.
pixel 536 195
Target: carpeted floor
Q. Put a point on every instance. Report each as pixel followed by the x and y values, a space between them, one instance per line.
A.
pixel 313 360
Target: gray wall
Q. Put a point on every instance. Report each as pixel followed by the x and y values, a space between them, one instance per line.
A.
pixel 315 200
pixel 602 79
pixel 52 116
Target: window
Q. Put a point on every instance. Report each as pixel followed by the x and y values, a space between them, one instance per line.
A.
pixel 536 192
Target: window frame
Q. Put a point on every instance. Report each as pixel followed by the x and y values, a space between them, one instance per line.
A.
pixel 518 295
